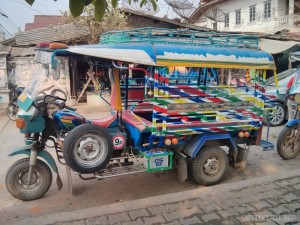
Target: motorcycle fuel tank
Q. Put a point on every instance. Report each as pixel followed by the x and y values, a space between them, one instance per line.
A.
pixel 66 120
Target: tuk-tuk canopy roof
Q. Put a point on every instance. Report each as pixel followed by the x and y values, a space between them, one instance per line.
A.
pixel 157 54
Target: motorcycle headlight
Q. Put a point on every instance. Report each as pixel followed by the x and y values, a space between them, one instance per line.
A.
pixel 297 98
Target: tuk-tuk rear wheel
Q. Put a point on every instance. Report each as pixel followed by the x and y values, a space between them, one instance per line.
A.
pixel 209 166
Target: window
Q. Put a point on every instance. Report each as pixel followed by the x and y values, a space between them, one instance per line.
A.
pixel 215 27
pixel 267 9
pixel 252 13
pixel 226 20
pixel 238 16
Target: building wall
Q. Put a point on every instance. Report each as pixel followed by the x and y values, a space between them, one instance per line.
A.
pixel 278 9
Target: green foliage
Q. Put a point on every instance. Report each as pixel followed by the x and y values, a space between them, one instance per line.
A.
pixel 111 20
pixel 30 2
pixel 101 6
pixel 76 7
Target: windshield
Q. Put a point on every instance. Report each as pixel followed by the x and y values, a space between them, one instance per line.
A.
pixel 41 84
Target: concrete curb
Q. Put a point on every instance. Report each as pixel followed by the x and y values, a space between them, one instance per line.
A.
pixel 151 201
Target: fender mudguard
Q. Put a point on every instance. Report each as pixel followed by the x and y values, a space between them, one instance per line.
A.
pixel 292 122
pixel 43 154
pixel 195 144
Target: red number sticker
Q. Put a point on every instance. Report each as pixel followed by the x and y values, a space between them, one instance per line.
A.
pixel 118 142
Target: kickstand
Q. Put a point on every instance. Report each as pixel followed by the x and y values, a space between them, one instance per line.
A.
pixel 69 177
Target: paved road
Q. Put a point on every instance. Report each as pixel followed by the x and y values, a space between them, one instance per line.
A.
pixel 120 190
pixel 267 200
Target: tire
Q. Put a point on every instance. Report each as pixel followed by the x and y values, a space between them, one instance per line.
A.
pixel 12 111
pixel 16 175
pixel 59 93
pixel 288 150
pixel 84 160
pixel 279 116
pixel 210 159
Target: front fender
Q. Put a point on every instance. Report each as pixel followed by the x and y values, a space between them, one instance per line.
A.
pixel 292 122
pixel 43 154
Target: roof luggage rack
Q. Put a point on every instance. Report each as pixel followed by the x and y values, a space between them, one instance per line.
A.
pixel 187 37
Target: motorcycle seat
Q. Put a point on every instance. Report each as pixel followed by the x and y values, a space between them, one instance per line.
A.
pixel 105 122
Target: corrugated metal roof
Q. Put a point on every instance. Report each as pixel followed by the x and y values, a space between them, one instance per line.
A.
pixel 50 34
pixel 22 51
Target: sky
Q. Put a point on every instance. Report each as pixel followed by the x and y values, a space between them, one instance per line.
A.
pixel 15 13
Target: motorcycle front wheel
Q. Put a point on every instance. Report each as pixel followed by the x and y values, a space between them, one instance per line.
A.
pixel 12 111
pixel 16 180
pixel 288 143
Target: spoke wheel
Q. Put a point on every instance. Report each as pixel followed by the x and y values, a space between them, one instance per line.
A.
pixel 209 166
pixel 288 143
pixel 17 184
pixel 278 116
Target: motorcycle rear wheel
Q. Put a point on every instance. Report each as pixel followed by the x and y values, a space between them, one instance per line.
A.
pixel 12 111
pixel 288 145
pixel 16 180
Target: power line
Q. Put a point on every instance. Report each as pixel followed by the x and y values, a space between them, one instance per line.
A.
pixel 4 29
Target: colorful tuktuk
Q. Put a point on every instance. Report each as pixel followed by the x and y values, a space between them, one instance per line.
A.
pixel 181 96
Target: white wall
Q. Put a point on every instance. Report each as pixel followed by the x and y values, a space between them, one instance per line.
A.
pixel 260 25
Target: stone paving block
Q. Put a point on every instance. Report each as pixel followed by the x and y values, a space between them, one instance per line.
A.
pixel 286 190
pixel 210 207
pixel 260 205
pixel 158 209
pixel 181 213
pixel 193 202
pixel 190 221
pixel 258 189
pixel 174 206
pixel 244 209
pixel 138 213
pixel 118 218
pixel 100 220
pixel 287 219
pixel 76 222
pixel 137 222
pixel 246 199
pixel 158 219
pixel 176 222
pixel 297 187
pixel 282 183
pixel 269 186
pixel 227 213
pixel 291 197
pixel 276 200
pixel 208 217
pixel 294 180
pixel 279 210
pixel 262 195
pixel 292 206
pixel 228 203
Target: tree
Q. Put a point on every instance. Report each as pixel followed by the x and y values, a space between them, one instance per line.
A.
pixel 101 6
pixel 111 20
